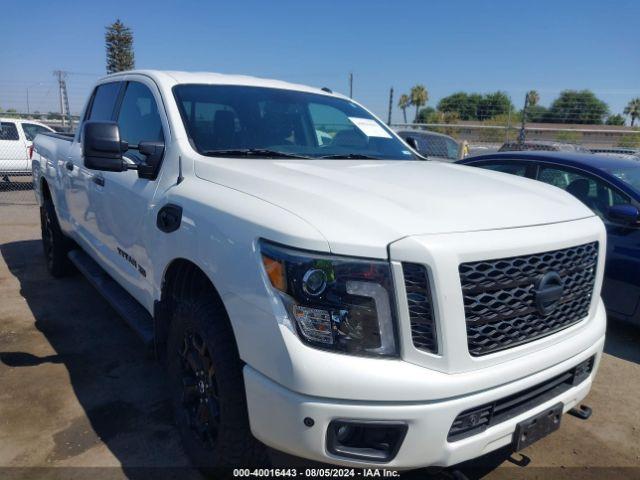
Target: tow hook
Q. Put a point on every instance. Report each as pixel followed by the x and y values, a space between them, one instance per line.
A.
pixel 582 412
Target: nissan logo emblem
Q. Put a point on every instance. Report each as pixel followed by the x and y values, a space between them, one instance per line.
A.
pixel 548 291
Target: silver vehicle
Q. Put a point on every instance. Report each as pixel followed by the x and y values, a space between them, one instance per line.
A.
pixel 432 144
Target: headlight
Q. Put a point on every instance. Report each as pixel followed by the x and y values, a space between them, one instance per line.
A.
pixel 337 303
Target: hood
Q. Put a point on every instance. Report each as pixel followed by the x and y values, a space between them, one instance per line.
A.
pixel 360 206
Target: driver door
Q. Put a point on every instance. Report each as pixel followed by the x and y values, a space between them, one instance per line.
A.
pixel 123 200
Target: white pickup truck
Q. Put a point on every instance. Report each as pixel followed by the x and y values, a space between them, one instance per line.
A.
pixel 314 284
pixel 16 141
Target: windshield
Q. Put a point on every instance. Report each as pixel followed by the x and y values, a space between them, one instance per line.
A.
pixel 229 120
pixel 629 175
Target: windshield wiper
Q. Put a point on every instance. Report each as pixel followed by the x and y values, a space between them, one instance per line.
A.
pixel 349 156
pixel 252 152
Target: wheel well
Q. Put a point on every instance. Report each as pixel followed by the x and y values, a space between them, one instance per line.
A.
pixel 182 280
pixel 44 189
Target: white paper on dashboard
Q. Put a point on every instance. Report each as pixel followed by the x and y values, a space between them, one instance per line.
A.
pixel 369 127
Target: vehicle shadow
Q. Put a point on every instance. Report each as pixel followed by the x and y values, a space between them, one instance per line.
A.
pixel 121 390
pixel 623 340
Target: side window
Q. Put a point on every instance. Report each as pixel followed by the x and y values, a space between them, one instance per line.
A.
pixel 452 149
pixel 519 169
pixel 593 192
pixel 104 101
pixel 31 130
pixel 138 118
pixel 8 131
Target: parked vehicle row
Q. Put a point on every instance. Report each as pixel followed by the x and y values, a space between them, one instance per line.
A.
pixel 433 145
pixel 16 139
pixel 313 284
pixel 610 187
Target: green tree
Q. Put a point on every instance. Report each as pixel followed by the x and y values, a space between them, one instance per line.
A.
pixel 119 45
pixel 536 113
pixel 475 106
pixel 419 97
pixel 465 105
pixel 533 97
pixel 11 110
pixel 573 106
pixel 633 110
pixel 616 119
pixel 493 104
pixel 427 115
pixel 403 104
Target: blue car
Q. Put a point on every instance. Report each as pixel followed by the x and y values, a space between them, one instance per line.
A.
pixel 608 185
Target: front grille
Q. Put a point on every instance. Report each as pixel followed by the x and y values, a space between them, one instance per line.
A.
pixel 423 327
pixel 476 420
pixel 499 301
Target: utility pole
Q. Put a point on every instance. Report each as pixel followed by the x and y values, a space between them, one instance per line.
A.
pixel 351 85
pixel 64 98
pixel 523 134
pixel 390 105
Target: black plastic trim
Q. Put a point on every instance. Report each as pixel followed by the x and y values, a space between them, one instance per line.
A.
pixel 362 453
pixel 505 408
pixel 169 218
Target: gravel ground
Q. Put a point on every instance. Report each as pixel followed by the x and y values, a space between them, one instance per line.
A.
pixel 77 392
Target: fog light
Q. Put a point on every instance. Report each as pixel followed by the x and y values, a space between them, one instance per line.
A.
pixel 373 441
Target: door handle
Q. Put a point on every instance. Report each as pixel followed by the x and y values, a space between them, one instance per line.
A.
pixel 69 166
pixel 98 180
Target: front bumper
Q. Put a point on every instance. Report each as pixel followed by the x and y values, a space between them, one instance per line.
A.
pixel 277 417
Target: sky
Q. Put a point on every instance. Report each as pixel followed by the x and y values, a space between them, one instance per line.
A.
pixel 448 46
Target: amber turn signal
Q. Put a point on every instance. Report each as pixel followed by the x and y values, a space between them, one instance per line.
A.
pixel 275 272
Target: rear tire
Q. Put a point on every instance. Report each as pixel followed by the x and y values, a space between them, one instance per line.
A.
pixel 55 244
pixel 207 388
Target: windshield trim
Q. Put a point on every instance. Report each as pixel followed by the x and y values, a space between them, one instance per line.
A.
pixel 187 126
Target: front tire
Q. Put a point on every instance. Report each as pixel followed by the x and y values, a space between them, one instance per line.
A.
pixel 205 373
pixel 55 244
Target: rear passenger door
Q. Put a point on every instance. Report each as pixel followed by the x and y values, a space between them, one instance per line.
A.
pixel 13 150
pixel 123 200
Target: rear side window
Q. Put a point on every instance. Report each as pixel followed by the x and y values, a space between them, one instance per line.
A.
pixel 138 118
pixel 104 101
pixel 31 130
pixel 512 168
pixel 593 192
pixel 8 131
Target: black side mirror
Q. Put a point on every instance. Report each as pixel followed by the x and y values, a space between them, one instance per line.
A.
pixel 153 152
pixel 412 142
pixel 102 148
pixel 626 214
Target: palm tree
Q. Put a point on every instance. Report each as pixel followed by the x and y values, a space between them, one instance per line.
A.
pixel 533 97
pixel 633 109
pixel 419 98
pixel 403 103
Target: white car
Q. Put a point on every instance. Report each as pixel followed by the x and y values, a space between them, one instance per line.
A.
pixel 16 139
pixel 341 301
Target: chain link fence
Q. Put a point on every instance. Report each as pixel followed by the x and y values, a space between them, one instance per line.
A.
pixel 573 121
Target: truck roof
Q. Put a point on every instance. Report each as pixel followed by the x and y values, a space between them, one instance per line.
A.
pixel 177 77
